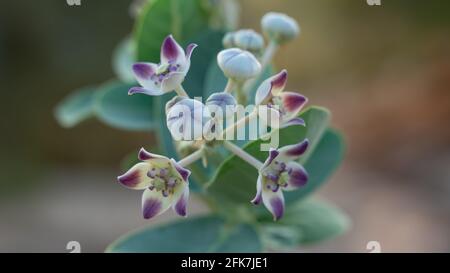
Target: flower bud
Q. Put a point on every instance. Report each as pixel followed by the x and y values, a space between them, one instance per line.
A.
pixel 228 40
pixel 248 39
pixel 237 64
pixel 279 27
pixel 185 118
pixel 221 105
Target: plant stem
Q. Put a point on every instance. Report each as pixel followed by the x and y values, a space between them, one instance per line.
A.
pixel 180 91
pixel 241 95
pixel 271 48
pixel 229 87
pixel 243 154
pixel 188 160
pixel 240 123
pixel 267 57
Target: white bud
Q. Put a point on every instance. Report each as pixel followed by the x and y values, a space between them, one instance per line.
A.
pixel 237 64
pixel 185 118
pixel 248 39
pixel 220 105
pixel 228 40
pixel 279 27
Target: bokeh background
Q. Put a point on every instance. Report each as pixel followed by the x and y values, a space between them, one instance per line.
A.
pixel 383 71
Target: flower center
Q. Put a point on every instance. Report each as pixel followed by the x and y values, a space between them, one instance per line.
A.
pixel 162 181
pixel 276 101
pixel 275 176
pixel 163 70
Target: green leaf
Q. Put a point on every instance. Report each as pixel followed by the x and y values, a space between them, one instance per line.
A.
pixel 306 222
pixel 115 107
pixel 159 18
pixel 235 180
pixel 322 163
pixel 193 235
pixel 123 58
pixel 215 80
pixel 76 107
pixel 209 45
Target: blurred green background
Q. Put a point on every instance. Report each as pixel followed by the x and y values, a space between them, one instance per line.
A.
pixel 383 71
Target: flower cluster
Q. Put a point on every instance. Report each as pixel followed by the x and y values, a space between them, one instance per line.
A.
pixel 165 181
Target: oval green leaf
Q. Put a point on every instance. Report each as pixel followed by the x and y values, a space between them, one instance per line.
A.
pixel 76 107
pixel 193 235
pixel 116 108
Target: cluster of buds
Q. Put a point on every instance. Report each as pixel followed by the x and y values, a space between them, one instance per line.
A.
pixel 165 181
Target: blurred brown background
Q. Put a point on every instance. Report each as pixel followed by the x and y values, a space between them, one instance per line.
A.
pixel 383 71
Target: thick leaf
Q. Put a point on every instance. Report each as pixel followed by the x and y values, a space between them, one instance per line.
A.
pixel 235 180
pixel 115 107
pixel 159 18
pixel 322 163
pixel 215 80
pixel 123 58
pixel 209 44
pixel 193 235
pixel 305 222
pixel 76 107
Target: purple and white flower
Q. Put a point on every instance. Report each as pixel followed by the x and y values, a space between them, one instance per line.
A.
pixel 164 181
pixel 157 79
pixel 282 105
pixel 280 172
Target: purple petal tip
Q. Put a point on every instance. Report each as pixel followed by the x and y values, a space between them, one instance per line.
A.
pixel 129 179
pixel 144 155
pixel 277 207
pixel 151 208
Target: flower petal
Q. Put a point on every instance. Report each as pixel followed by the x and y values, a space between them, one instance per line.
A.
pixel 297 176
pixel 184 173
pixel 272 86
pixel 171 51
pixel 270 116
pixel 180 206
pixel 258 197
pixel 292 152
pixel 184 67
pixel 154 160
pixel 189 50
pixel 274 202
pixel 273 153
pixel 292 104
pixel 144 72
pixel 154 203
pixel 172 81
pixel 293 122
pixel 142 90
pixel 136 178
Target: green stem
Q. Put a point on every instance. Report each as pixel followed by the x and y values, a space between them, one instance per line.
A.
pixel 243 154
pixel 180 91
pixel 188 160
pixel 267 57
pixel 240 123
pixel 229 87
pixel 241 95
